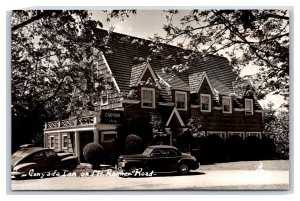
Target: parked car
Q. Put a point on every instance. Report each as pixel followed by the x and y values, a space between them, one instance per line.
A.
pixel 159 158
pixel 38 159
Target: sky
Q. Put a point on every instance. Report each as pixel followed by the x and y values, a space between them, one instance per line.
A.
pixel 146 23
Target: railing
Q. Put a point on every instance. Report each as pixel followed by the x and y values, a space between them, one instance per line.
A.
pixel 70 122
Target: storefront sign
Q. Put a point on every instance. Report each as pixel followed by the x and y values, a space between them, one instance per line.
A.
pixel 111 117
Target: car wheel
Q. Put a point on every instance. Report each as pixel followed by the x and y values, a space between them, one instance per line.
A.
pixel 183 168
pixel 132 169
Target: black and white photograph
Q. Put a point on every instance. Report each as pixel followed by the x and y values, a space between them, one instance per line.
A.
pixel 150 99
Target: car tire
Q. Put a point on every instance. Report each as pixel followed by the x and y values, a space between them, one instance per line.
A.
pixel 183 168
pixel 132 169
pixel 17 177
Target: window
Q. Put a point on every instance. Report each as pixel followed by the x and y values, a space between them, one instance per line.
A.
pixel 38 155
pixel 148 98
pixel 249 106
pixel 226 104
pixel 205 102
pixel 255 134
pixel 50 154
pixel 108 136
pixel 241 134
pixel 104 99
pixel 52 143
pixel 181 100
pixel 171 153
pixel 65 141
pixel 222 134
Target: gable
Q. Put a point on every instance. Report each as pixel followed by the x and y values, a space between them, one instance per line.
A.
pixel 142 73
pixel 175 116
pixel 205 87
pixel 200 82
pixel 136 73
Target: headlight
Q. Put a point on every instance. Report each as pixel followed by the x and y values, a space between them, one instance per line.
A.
pixel 122 164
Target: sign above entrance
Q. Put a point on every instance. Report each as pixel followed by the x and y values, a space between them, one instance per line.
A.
pixel 111 117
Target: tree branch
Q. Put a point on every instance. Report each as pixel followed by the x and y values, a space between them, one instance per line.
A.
pixel 37 17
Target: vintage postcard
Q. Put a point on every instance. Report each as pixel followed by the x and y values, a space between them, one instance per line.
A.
pixel 150 99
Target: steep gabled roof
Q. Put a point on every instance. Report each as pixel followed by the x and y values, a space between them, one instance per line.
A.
pixel 174 82
pixel 220 87
pixel 136 73
pixel 125 54
pixel 196 80
pixel 240 87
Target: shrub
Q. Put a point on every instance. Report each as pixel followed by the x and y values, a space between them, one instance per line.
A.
pixel 93 153
pixel 215 149
pixel 252 147
pixel 133 144
pixel 235 148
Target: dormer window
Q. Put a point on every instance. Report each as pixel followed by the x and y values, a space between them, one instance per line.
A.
pixel 148 97
pixel 226 104
pixel 248 106
pixel 104 99
pixel 205 102
pixel 181 100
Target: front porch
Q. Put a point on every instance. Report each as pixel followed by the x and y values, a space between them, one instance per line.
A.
pixel 71 135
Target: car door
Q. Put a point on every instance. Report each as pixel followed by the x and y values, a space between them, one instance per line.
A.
pixel 40 159
pixel 155 160
pixel 52 160
pixel 171 160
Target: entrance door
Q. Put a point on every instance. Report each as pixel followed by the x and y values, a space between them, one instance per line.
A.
pixel 85 138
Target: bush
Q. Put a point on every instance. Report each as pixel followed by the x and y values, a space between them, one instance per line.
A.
pixel 235 148
pixel 252 148
pixel 215 149
pixel 134 144
pixel 93 153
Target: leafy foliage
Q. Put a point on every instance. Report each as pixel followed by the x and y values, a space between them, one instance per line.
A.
pixel 246 37
pixel 195 127
pixel 53 59
pixel 133 144
pixel 93 153
pixel 277 128
pixel 158 126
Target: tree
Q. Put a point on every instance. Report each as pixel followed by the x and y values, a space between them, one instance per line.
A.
pixel 53 55
pixel 281 135
pixel 277 129
pixel 245 37
pixel 194 127
pixel 158 127
pixel 269 118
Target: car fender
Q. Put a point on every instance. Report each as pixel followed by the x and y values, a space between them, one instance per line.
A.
pixel 136 163
pixel 25 167
pixel 69 158
pixel 185 160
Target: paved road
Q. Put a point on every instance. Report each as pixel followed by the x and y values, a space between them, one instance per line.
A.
pixel 205 178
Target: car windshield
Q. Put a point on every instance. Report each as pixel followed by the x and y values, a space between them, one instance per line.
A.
pixel 148 151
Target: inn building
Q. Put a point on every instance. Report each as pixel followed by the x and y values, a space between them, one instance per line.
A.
pixel 208 90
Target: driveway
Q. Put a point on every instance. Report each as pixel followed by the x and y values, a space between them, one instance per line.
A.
pixel 250 175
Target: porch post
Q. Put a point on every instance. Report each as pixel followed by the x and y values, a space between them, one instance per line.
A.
pixel 59 141
pixel 96 135
pixel 77 144
pixel 170 133
pixel 46 140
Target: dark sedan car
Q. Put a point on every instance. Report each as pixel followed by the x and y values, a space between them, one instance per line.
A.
pixel 159 158
pixel 38 159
